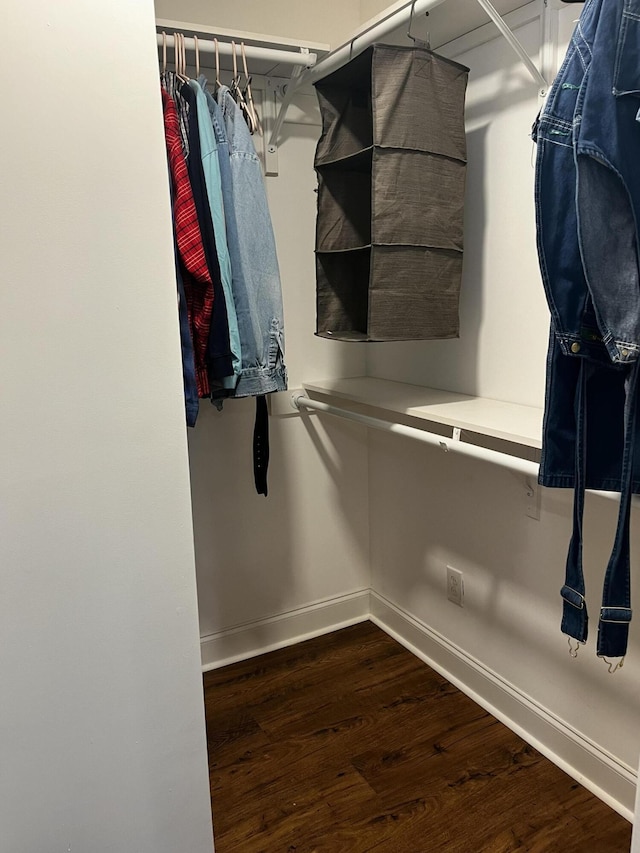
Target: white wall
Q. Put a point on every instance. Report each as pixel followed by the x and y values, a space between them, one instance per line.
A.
pixel 328 22
pixel 101 715
pixel 307 542
pixel 429 509
pixel 371 8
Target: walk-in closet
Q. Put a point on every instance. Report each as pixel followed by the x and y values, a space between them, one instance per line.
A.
pixel 137 556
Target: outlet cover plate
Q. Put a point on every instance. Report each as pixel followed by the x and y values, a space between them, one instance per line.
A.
pixel 455 586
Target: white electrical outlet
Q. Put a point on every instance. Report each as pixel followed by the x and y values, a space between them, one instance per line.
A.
pixel 455 586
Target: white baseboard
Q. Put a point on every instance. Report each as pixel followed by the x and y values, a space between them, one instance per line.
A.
pixel 605 776
pixel 285 629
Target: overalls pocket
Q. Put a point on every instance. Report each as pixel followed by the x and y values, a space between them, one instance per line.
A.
pixel 626 73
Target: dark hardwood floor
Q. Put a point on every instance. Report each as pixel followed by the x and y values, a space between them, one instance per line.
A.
pixel 348 743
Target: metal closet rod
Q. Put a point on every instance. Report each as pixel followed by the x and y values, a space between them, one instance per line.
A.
pixel 513 463
pixel 448 445
pixel 379 30
pixel 268 54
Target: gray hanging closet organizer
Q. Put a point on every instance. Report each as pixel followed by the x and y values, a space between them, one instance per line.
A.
pixel 391 164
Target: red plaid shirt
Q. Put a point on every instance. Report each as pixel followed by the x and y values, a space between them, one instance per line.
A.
pixel 197 279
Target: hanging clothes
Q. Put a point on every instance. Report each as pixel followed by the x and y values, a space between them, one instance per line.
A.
pixel 219 358
pixel 260 317
pixel 172 85
pixel 198 286
pixel 211 168
pixel 240 281
pixel 221 210
pixel 263 367
pixel 587 207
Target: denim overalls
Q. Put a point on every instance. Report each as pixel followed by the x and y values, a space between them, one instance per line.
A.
pixel 587 205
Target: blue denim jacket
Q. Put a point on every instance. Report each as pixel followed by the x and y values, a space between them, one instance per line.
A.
pixel 587 202
pixel 256 277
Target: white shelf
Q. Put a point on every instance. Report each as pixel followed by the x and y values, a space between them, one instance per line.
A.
pixel 454 19
pixel 426 408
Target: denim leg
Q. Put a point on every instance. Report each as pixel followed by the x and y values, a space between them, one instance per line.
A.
pixel 615 614
pixel 574 607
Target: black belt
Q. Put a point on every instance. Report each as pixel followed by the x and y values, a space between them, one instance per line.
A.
pixel 261 445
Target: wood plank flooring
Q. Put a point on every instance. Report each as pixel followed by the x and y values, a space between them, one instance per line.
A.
pixel 348 743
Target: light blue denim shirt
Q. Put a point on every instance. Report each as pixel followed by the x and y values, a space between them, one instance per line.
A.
pixel 211 168
pixel 256 278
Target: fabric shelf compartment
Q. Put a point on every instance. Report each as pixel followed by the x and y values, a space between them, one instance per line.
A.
pixel 345 199
pixel 419 199
pixel 391 163
pixel 342 294
pixel 346 108
pixel 357 304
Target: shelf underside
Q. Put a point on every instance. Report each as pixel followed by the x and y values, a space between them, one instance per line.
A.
pixel 486 422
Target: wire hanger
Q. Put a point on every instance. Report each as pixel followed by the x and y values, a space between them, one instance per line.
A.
pixel 235 89
pixel 251 113
pixel 418 41
pixel 197 50
pixel 177 57
pixel 217 51
pixel 175 53
pixel 183 56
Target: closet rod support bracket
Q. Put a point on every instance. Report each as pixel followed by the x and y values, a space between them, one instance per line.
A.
pixel 508 34
pixel 287 92
pixel 532 491
pixel 273 93
pixel 296 397
pixel 278 97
